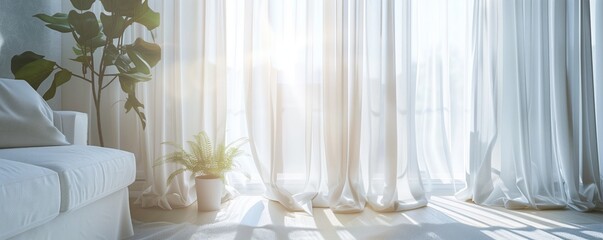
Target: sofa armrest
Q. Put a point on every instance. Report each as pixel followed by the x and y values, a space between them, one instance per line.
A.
pixel 74 125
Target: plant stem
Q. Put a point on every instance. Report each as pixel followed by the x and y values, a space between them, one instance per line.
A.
pixel 113 79
pixel 96 95
pixel 101 76
pixel 99 127
pixel 73 74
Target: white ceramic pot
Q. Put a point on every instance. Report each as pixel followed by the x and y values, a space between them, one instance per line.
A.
pixel 209 193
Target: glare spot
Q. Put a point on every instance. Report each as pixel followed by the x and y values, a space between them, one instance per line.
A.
pixel 593 234
pixel 332 218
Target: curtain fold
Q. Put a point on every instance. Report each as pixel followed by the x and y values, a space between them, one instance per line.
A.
pixel 482 71
pixel 348 104
pixel 329 94
pixel 189 96
pixel 342 98
pixel 282 92
pixel 340 118
pixel 596 8
pixel 394 181
pixel 542 149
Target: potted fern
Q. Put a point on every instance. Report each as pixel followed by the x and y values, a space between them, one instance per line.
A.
pixel 208 164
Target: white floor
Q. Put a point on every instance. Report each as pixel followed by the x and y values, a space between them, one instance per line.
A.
pixel 253 217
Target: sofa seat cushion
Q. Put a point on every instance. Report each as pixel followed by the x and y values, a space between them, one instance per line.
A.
pixel 29 196
pixel 86 173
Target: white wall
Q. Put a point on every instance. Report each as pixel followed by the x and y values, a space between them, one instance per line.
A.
pixel 20 32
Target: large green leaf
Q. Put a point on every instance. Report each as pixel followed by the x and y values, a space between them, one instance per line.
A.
pixel 128 81
pixel 57 18
pixel 82 4
pixel 84 60
pixel 128 85
pixel 57 22
pixel 60 28
pixel 136 77
pixel 85 25
pixel 35 72
pixel 111 54
pixel 144 55
pixel 77 50
pixel 122 7
pixel 81 59
pixel 147 17
pixel 18 61
pixel 123 63
pixel 109 5
pixel 60 78
pixel 133 103
pixel 96 42
pixel 113 25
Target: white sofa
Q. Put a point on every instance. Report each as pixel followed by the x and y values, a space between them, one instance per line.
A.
pixel 72 191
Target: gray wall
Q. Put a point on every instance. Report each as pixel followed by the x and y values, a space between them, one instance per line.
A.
pixel 20 32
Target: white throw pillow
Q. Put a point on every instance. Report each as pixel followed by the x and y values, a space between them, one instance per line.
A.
pixel 25 118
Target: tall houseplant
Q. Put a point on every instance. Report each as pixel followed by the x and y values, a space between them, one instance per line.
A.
pixel 208 163
pixel 101 50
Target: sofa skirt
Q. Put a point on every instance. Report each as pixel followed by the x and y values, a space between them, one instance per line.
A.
pixel 106 218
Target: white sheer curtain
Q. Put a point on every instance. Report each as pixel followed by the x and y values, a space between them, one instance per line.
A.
pixel 533 135
pixel 596 20
pixel 379 103
pixel 335 112
pixel 344 102
pixel 189 92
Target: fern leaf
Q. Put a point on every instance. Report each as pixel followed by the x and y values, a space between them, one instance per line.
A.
pixel 174 174
pixel 202 157
pixel 237 143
